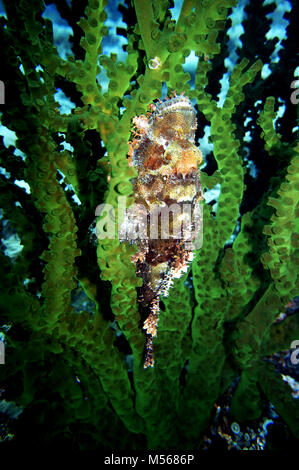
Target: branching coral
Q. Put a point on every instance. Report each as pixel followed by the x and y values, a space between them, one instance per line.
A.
pixel 79 380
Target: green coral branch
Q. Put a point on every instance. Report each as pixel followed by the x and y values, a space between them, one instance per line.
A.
pixel 185 14
pixel 59 223
pixel 255 328
pixel 120 75
pixel 283 240
pixel 266 122
pixel 67 165
pixel 145 18
pixel 84 73
pixel 217 232
pixel 208 19
pixel 238 275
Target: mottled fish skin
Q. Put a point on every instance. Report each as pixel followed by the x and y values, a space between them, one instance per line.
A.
pixel 167 160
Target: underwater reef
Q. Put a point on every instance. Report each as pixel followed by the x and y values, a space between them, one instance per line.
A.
pixel 70 318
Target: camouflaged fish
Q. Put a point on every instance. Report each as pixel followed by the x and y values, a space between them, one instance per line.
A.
pixel 166 213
